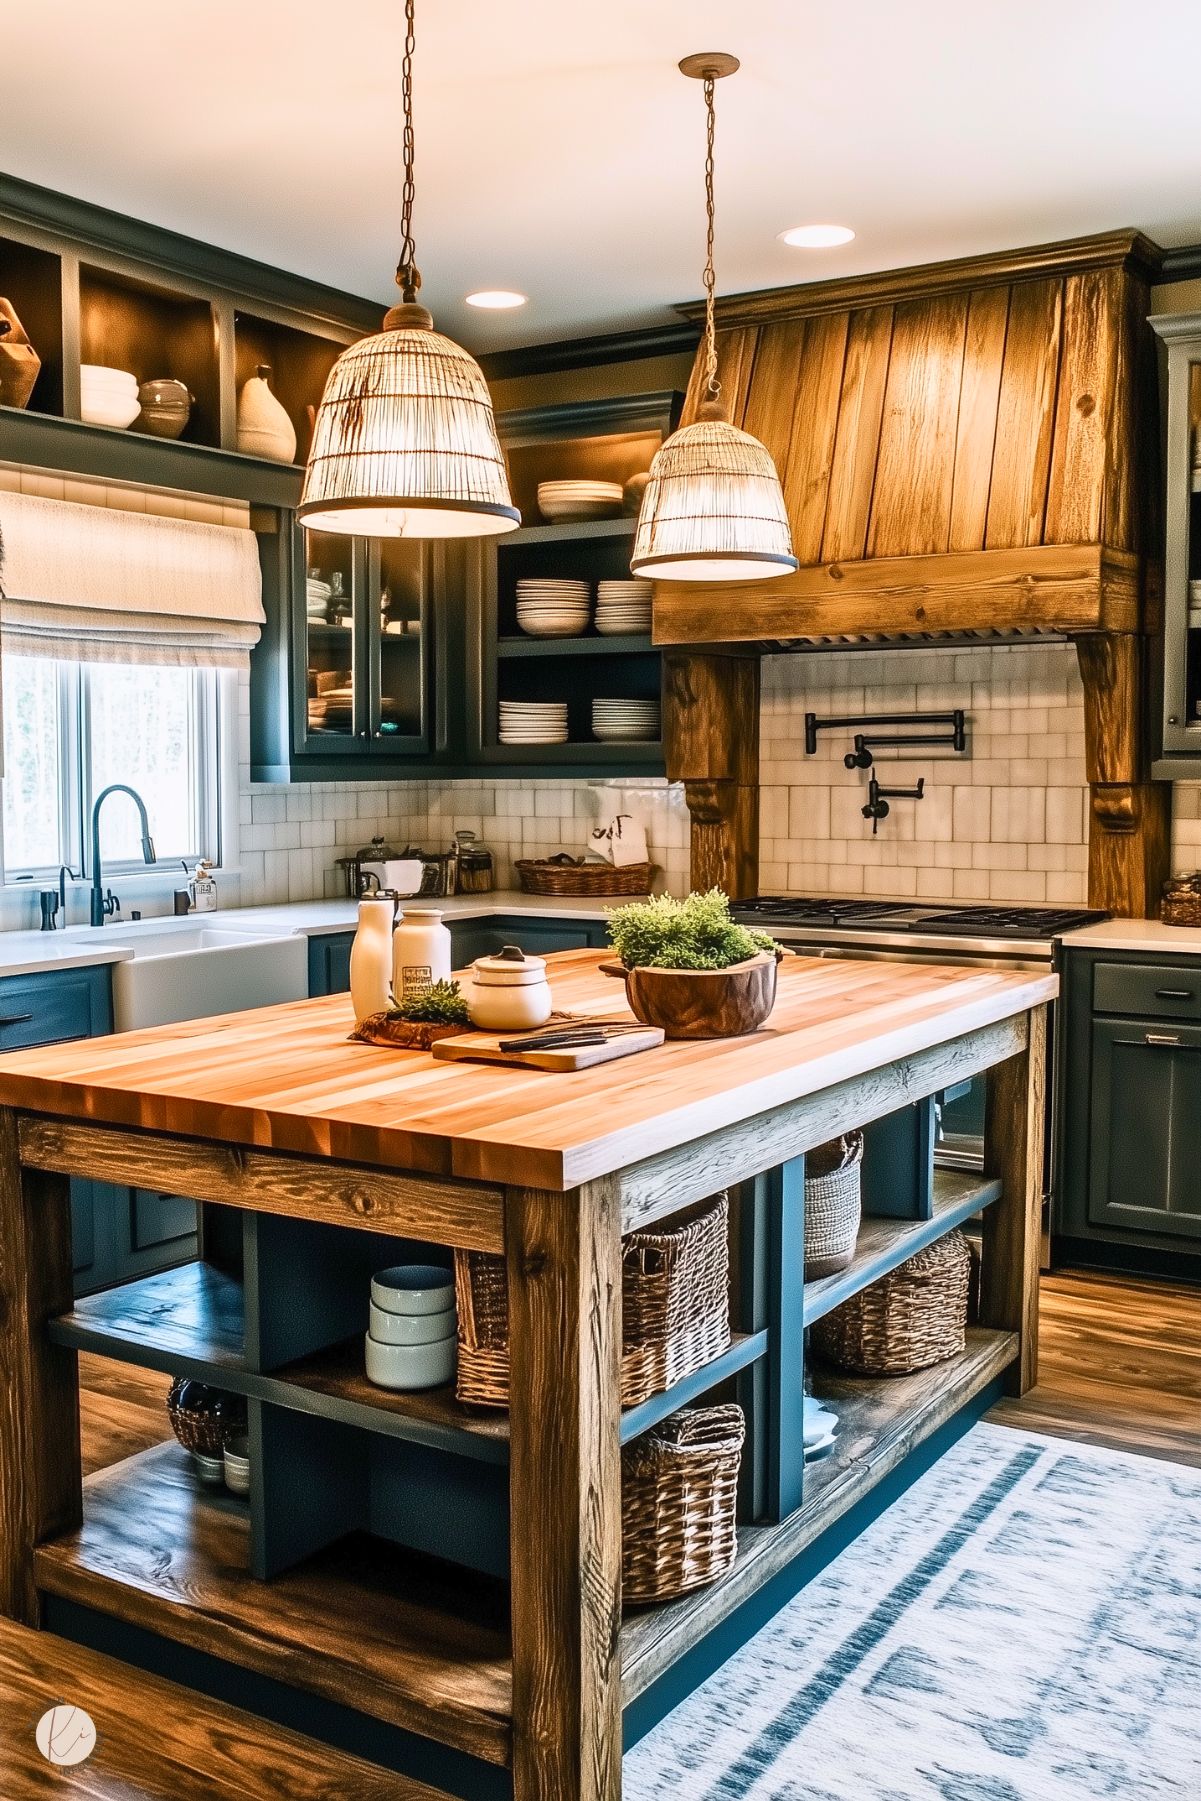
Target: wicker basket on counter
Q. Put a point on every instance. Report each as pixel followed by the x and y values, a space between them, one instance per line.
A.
pixel 912 1317
pixel 679 1488
pixel 833 1204
pixel 1181 902
pixel 563 875
pixel 674 1303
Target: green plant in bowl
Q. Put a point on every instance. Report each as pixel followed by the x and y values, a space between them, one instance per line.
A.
pixel 691 969
pixel 696 933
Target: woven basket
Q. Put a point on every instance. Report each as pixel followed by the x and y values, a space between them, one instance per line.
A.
pixel 544 875
pixel 832 1204
pixel 679 1485
pixel 201 1429
pixel 674 1304
pixel 909 1319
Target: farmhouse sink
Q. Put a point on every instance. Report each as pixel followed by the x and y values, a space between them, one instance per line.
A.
pixel 194 972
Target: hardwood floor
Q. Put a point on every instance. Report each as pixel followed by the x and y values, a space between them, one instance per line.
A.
pixel 1120 1365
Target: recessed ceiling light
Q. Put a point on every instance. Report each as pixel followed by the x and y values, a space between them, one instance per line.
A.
pixel 496 299
pixel 817 237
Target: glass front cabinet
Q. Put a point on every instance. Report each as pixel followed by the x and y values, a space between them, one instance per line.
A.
pixel 348 668
pixel 1180 739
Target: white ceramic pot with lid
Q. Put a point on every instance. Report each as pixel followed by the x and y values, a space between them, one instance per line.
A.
pixel 509 992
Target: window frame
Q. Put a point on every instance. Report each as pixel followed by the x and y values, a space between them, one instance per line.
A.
pixel 75 796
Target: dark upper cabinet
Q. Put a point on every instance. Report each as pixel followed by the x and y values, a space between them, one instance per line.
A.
pixel 1178 668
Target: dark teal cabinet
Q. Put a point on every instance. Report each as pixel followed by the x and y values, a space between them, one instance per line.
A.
pixel 1128 1106
pixel 329 954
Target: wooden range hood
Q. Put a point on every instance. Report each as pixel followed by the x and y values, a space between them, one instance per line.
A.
pixel 968 450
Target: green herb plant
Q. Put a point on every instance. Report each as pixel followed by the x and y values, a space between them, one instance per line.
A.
pixel 440 1005
pixel 696 933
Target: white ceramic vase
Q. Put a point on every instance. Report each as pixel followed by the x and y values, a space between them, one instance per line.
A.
pixel 420 953
pixel 264 428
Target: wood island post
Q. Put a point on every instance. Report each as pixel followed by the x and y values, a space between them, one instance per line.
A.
pixel 41 1488
pixel 564 1269
pixel 1014 1127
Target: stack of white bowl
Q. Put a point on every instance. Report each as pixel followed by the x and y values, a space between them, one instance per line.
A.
pixel 411 1340
pixel 579 500
pixel 1194 605
pixel 625 721
pixel 819 1429
pixel 550 608
pixel 108 396
pixel 623 606
pixel 533 722
pixel 317 596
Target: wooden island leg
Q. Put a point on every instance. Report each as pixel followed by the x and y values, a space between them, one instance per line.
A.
pixel 1014 1124
pixel 564 1270
pixel 41 1491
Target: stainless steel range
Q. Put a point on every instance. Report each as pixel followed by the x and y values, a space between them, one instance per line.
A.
pixel 991 935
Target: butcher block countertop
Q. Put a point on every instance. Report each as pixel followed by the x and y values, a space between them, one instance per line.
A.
pixel 286 1078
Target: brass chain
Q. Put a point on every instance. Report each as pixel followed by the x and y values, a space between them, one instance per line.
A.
pixel 406 273
pixel 712 384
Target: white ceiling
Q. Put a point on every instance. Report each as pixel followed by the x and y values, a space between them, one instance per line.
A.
pixel 559 152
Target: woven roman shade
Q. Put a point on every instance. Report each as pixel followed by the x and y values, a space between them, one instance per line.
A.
pixel 99 585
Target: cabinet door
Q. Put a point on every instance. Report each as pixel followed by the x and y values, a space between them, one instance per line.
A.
pixel 329 717
pixel 1181 640
pixel 484 937
pixel 1146 1104
pixel 396 638
pixel 329 963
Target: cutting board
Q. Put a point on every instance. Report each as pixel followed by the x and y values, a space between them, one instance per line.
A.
pixel 483 1047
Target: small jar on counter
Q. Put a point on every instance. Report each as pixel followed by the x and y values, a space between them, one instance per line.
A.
pixel 473 865
pixel 509 992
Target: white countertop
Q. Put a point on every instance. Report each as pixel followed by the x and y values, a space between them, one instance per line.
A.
pixel 1136 935
pixel 82 946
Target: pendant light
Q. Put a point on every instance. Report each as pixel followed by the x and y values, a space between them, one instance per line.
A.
pixel 404 442
pixel 713 510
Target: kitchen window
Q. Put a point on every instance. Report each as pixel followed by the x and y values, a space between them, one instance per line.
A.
pixel 72 728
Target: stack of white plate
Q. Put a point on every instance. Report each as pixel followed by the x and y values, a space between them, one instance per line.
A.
pixel 623 607
pixel 622 721
pixel 316 594
pixel 1194 605
pixel 579 500
pixel 549 608
pixel 108 396
pixel 533 722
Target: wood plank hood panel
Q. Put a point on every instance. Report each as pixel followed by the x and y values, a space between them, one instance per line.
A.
pixel 963 457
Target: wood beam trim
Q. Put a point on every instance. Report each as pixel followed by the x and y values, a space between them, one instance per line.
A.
pixel 1061 588
pixel 468 1216
pixel 663 1184
pixel 886 287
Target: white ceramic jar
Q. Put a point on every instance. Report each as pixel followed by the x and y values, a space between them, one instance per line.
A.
pixel 509 992
pixel 371 958
pixel 420 953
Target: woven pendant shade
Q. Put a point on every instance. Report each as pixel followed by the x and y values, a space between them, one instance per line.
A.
pixel 405 444
pixel 713 510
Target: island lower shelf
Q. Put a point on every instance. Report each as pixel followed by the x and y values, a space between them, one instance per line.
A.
pixel 412 1642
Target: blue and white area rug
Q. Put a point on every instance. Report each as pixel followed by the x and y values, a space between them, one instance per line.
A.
pixel 1024 1624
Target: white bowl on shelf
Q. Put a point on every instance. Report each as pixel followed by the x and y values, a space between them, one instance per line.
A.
pixel 413 1288
pixel 579 500
pixel 236 1462
pixel 108 396
pixel 410 1366
pixel 411 1328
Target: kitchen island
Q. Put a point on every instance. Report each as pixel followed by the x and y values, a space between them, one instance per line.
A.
pixel 317 1152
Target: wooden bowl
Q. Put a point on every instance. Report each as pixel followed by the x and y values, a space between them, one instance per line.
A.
pixel 703 1003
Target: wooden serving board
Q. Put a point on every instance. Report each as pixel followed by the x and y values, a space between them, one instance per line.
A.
pixel 484 1047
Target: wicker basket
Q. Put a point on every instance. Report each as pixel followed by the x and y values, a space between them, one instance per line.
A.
pixel 679 1485
pixel 832 1204
pixel 202 1418
pixel 909 1319
pixel 674 1303
pixel 1181 903
pixel 546 875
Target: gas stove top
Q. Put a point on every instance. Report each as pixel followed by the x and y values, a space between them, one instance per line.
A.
pixel 931 919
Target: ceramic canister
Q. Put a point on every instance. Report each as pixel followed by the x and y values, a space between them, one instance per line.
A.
pixel 371 958
pixel 509 992
pixel 420 953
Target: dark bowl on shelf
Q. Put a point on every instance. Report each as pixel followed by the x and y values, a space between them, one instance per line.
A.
pixel 166 408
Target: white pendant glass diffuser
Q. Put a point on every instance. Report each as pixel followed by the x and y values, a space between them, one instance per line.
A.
pixel 404 442
pixel 713 510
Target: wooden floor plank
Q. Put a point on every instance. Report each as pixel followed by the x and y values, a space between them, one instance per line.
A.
pixel 159 1742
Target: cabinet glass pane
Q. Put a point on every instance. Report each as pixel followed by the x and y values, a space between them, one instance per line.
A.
pixel 1190 650
pixel 402 619
pixel 330 634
